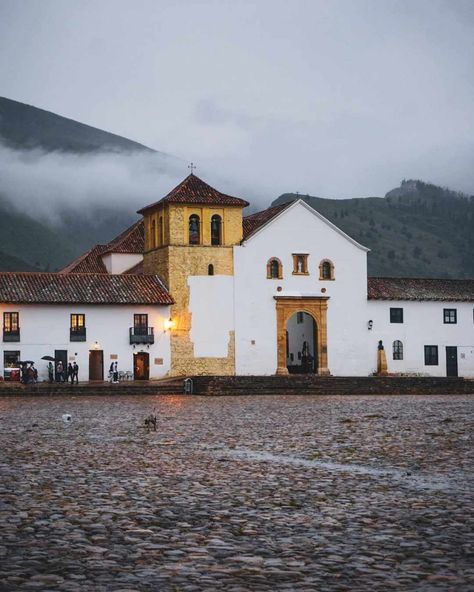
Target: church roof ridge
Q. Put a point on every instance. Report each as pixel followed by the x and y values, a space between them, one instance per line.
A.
pixel 194 190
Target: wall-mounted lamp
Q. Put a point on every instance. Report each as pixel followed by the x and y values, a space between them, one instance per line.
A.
pixel 95 345
pixel 168 324
pixel 370 324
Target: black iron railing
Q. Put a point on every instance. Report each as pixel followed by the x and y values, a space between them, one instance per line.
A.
pixel 140 334
pixel 11 335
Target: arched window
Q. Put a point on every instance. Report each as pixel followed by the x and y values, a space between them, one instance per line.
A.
pixel 326 270
pixel 194 230
pixel 160 231
pixel 397 350
pixel 274 269
pixel 216 230
pixel 210 269
pixel 153 234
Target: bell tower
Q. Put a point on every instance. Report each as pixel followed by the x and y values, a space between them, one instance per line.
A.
pixel 192 232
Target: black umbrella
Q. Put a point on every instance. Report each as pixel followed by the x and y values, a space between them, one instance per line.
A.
pixel 49 358
pixel 26 362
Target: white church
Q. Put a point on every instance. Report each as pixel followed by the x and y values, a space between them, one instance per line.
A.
pixel 196 288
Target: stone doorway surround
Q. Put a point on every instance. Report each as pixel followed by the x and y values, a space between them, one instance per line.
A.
pixel 316 306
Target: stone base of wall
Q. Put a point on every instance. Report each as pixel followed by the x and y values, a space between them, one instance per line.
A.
pixel 330 385
pixel 166 386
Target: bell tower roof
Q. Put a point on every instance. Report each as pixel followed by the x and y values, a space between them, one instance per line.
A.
pixel 193 190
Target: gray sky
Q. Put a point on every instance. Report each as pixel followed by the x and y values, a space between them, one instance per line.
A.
pixel 334 98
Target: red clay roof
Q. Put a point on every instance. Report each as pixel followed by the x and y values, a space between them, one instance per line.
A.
pixel 132 240
pixel 420 289
pixel 253 222
pixel 80 288
pixel 195 190
pixel 89 262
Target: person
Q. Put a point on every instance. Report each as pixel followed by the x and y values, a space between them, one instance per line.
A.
pixel 35 373
pixel 115 373
pixel 51 372
pixel 111 371
pixel 60 372
pixel 75 370
pixel 70 373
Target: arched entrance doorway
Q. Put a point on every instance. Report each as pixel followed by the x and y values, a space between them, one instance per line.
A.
pixel 316 308
pixel 301 344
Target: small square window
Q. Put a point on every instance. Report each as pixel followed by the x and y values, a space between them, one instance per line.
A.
pixel 300 264
pixel 450 316
pixel 396 315
pixel 431 355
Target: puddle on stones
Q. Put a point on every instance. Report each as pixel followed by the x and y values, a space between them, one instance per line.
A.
pixel 417 481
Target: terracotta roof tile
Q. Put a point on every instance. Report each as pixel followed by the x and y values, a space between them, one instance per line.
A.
pixel 253 222
pixel 195 190
pixel 89 262
pixel 420 289
pixel 78 288
pixel 132 240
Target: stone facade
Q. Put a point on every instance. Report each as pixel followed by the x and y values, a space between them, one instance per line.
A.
pixel 177 261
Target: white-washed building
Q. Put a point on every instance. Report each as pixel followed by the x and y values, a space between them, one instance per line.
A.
pixel 196 288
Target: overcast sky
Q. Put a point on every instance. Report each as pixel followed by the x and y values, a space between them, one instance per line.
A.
pixel 333 98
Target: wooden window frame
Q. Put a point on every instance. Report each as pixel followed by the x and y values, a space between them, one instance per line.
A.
pixel 296 257
pixel 279 275
pixel 431 355
pixel 397 349
pixel 323 263
pixel 10 315
pixel 394 312
pixel 77 331
pixel 450 316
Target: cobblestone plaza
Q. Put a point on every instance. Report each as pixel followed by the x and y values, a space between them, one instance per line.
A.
pixel 237 493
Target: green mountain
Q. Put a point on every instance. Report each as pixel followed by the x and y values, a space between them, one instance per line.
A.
pixel 27 242
pixel 25 127
pixel 416 230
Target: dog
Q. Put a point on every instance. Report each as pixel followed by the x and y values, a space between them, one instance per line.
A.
pixel 150 422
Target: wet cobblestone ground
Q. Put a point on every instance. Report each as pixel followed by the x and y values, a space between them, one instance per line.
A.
pixel 234 494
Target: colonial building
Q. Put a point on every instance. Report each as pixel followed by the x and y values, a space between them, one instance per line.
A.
pixel 194 287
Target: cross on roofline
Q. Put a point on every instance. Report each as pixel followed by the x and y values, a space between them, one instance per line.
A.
pixel 192 167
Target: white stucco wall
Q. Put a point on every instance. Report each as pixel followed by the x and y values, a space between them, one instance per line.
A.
pixel 44 328
pixel 297 230
pixel 119 262
pixel 211 303
pixel 422 325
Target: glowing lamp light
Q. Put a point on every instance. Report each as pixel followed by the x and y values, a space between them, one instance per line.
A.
pixel 169 324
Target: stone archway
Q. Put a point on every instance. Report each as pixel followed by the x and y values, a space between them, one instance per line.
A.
pixel 316 306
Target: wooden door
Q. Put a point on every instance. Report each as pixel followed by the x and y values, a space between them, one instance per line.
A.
pixel 141 366
pixel 96 364
pixel 451 361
